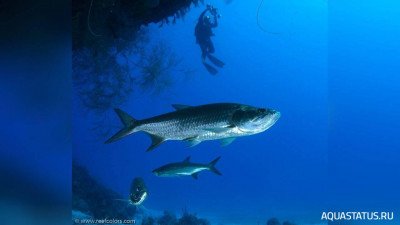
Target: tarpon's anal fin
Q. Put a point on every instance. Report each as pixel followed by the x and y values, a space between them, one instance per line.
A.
pixel 192 141
pixel 195 175
pixel 227 141
pixel 180 107
pixel 155 141
pixel 187 159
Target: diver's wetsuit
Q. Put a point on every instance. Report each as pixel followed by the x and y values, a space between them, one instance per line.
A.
pixel 203 34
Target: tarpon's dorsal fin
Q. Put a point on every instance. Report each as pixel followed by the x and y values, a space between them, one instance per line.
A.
pixel 155 141
pixel 195 175
pixel 218 130
pixel 227 141
pixel 180 107
pixel 192 141
pixel 187 159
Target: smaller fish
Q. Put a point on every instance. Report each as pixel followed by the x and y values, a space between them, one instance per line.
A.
pixel 138 192
pixel 186 168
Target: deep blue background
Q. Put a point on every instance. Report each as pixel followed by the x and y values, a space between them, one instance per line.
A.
pixel 282 172
pixel 364 103
pixel 335 81
pixel 332 72
pixel 35 96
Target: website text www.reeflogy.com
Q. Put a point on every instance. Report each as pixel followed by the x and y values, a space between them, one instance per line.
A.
pixel 334 216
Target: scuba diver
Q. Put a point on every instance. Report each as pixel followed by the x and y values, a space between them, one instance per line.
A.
pixel 203 33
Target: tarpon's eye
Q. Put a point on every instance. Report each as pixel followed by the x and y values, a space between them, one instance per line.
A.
pixel 261 110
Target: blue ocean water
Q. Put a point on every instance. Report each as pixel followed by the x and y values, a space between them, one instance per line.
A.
pixel 334 147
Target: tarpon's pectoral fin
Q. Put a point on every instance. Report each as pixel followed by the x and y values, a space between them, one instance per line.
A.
pixel 155 141
pixel 195 175
pixel 190 138
pixel 227 141
pixel 192 141
pixel 218 130
pixel 179 107
pixel 187 159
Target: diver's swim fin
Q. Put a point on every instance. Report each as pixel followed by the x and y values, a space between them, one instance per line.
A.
pixel 210 69
pixel 216 61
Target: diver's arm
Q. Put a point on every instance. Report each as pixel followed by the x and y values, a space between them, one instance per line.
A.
pixel 202 14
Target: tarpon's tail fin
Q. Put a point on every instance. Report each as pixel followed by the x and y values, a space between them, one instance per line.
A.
pixel 212 166
pixel 129 126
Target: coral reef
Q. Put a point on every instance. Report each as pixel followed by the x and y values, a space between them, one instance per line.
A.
pixel 167 219
pixel 170 219
pixel 275 221
pixel 106 79
pixel 148 221
pixel 112 54
pixel 99 81
pixel 94 199
pixel 157 67
pixel 191 219
pixel 109 21
pixel 288 223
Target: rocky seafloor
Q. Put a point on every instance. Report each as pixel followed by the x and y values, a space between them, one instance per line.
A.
pixel 93 201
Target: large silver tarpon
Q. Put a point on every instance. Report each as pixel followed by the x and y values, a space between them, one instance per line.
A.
pixel 195 124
